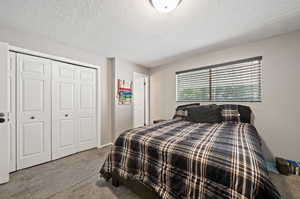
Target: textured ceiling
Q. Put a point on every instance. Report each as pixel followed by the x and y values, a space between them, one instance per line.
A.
pixel 132 29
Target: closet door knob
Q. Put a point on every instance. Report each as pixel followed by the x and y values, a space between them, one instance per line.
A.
pixel 32 118
pixel 66 115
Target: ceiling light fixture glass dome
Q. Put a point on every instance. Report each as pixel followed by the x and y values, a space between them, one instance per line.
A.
pixel 165 5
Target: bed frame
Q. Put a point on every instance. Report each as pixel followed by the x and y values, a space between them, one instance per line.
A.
pixel 135 186
pixel 115 180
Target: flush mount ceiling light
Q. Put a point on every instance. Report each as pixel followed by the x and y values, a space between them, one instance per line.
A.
pixel 165 5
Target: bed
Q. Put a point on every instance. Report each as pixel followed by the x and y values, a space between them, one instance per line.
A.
pixel 182 159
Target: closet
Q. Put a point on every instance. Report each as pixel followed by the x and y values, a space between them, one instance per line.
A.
pixel 73 109
pixel 55 109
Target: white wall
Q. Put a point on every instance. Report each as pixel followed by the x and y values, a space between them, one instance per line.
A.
pixel 277 118
pixel 44 45
pixel 123 115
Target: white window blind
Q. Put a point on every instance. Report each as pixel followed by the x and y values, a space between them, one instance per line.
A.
pixel 193 86
pixel 237 81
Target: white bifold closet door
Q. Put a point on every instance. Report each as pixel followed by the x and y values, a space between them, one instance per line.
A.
pixel 33 111
pixel 73 109
pixel 64 110
pixel 87 109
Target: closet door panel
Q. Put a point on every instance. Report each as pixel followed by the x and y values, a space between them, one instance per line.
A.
pixel 66 96
pixel 33 111
pixel 66 133
pixel 87 97
pixel 33 95
pixel 32 136
pixel 64 93
pixel 87 109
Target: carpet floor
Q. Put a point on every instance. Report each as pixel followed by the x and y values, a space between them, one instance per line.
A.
pixel 76 177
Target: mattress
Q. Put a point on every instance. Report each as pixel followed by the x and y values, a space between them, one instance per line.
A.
pixel 180 159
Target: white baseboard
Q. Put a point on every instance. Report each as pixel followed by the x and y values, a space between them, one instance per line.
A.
pixel 4 180
pixel 105 145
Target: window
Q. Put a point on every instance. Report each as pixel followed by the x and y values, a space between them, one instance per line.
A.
pixel 237 81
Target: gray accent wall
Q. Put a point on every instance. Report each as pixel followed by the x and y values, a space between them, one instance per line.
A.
pixel 277 117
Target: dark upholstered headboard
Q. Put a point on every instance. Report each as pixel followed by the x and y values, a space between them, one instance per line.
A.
pixel 183 107
pixel 246 115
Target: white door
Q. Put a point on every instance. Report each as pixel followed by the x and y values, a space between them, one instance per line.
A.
pixel 64 113
pixel 33 111
pixel 87 108
pixel 12 110
pixel 4 109
pixel 73 110
pixel 139 91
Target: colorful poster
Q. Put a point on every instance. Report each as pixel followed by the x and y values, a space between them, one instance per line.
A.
pixel 124 91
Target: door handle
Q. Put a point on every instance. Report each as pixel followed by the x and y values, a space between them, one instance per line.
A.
pixel 32 118
pixel 66 115
pixel 2 117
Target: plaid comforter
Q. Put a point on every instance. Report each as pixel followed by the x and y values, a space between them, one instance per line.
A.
pixel 179 159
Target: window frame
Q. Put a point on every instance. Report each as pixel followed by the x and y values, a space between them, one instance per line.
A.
pixel 210 67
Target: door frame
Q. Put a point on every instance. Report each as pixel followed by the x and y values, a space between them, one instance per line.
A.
pixel 13 111
pixel 78 63
pixel 147 87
